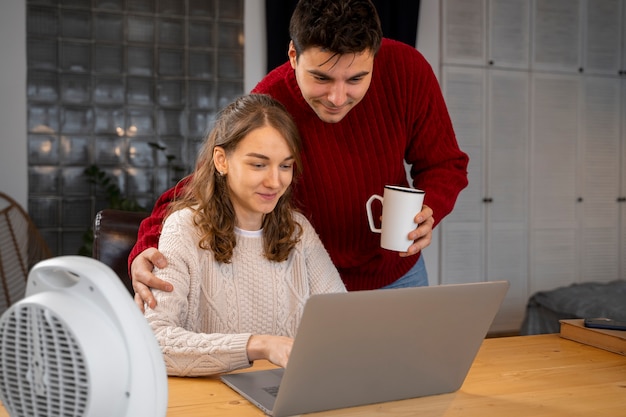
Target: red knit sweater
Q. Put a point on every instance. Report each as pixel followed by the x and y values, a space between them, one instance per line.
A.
pixel 402 116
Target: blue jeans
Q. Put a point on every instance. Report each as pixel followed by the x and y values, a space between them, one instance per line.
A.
pixel 415 277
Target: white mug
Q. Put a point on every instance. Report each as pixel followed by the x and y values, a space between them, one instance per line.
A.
pixel 400 206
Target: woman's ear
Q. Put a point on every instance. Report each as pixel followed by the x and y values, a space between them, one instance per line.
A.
pixel 220 160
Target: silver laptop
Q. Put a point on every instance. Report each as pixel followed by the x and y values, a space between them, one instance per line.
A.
pixel 374 346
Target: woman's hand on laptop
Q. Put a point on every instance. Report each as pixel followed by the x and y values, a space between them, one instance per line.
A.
pixel 275 349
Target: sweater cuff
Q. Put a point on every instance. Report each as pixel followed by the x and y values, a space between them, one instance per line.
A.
pixel 239 345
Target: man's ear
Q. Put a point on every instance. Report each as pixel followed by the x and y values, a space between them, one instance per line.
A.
pixel 292 54
pixel 220 160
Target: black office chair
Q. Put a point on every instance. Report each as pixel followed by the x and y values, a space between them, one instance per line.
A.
pixel 114 235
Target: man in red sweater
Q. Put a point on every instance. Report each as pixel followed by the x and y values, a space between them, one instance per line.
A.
pixel 364 105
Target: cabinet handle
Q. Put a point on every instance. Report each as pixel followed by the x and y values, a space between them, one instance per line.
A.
pixel 487 200
pixel 621 199
pixel 579 199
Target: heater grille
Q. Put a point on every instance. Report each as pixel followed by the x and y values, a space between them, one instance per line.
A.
pixel 42 368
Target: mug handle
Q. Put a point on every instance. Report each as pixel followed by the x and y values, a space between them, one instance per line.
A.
pixel 370 217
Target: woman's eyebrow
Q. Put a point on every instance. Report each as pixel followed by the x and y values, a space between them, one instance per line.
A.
pixel 265 157
pixel 257 155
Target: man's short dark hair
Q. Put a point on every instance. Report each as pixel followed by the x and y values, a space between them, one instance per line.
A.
pixel 337 26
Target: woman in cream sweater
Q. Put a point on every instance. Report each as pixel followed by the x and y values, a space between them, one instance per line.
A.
pixel 241 261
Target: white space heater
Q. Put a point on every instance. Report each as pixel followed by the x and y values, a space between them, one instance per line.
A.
pixel 77 345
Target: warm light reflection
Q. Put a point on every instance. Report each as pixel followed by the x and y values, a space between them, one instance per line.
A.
pixel 130 132
pixel 42 129
pixel 45 147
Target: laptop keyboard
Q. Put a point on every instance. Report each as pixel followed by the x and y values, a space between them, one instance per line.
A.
pixel 273 391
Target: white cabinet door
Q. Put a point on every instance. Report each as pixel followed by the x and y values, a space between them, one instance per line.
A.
pixel 602 36
pixel 554 143
pixel 622 196
pixel 556 35
pixel 623 32
pixel 464 32
pixel 463 230
pixel 509 33
pixel 599 169
pixel 507 191
pixel 486 236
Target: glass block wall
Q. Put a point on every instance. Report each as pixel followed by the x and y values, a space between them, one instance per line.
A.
pixel 108 78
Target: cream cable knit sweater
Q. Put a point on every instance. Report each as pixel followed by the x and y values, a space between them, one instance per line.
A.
pixel 203 326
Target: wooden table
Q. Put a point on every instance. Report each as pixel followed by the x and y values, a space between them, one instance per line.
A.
pixel 535 376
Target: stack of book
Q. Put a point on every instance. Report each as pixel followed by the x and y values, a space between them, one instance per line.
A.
pixel 611 340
